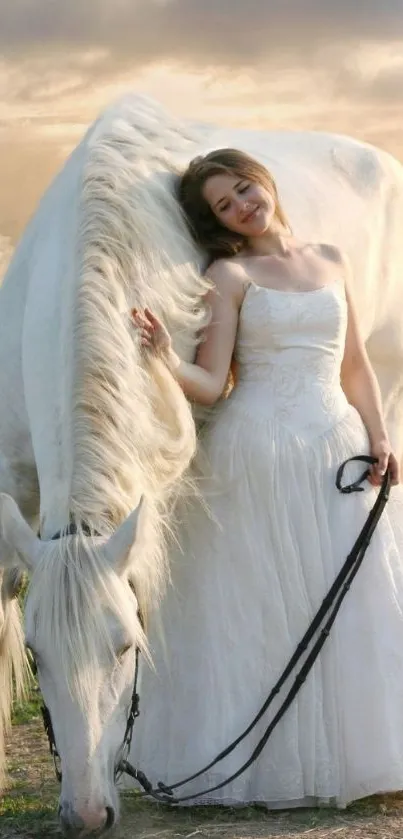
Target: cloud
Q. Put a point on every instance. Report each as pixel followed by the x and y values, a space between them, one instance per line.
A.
pixel 58 52
pixel 385 87
pixel 198 32
pixel 333 65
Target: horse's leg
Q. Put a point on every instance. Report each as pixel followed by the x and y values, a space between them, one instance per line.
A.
pixel 12 653
pixel 19 481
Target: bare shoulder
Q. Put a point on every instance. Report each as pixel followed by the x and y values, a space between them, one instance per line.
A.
pixel 224 269
pixel 229 278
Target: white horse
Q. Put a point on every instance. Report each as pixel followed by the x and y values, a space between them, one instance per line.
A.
pixel 88 425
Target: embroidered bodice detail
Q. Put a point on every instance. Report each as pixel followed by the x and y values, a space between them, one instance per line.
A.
pixel 290 348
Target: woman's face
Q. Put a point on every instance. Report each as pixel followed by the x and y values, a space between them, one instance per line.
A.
pixel 239 204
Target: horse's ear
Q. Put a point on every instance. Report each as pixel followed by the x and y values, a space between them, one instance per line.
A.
pixel 119 545
pixel 17 534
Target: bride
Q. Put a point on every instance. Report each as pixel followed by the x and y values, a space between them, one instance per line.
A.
pixel 263 545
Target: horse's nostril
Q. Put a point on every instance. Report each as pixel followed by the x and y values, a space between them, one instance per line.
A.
pixel 110 817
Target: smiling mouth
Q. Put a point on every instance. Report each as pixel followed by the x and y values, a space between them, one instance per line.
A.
pixel 250 215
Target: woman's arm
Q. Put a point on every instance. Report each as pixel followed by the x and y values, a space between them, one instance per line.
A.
pixel 361 387
pixel 205 380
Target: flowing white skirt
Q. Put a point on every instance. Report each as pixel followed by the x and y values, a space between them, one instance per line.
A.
pixel 245 585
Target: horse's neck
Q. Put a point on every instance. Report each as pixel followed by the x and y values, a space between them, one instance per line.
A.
pixel 47 345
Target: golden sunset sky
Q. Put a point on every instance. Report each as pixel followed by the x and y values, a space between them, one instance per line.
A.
pixel 333 65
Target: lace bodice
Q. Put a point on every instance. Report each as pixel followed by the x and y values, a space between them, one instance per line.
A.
pixel 289 348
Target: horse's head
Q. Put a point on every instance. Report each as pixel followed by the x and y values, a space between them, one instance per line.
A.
pixel 83 630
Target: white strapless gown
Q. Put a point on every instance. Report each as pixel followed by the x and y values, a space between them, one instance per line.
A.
pixel 252 573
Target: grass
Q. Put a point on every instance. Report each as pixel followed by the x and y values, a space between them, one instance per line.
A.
pixel 28 710
pixel 28 809
pixel 30 803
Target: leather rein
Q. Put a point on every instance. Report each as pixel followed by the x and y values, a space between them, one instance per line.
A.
pixel 322 623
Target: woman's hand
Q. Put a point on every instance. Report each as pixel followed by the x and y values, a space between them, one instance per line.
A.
pixel 153 333
pixel 386 460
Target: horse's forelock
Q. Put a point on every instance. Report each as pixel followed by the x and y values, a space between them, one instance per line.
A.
pixel 73 593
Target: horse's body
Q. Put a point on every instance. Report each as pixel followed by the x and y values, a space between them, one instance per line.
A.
pixel 86 426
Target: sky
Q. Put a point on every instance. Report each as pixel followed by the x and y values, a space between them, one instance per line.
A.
pixel 332 65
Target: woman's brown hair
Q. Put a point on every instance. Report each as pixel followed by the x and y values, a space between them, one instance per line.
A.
pixel 205 227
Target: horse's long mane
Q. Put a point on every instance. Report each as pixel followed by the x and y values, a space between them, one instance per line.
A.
pixel 132 429
pixel 13 665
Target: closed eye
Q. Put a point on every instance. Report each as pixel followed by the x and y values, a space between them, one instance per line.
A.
pixel 240 189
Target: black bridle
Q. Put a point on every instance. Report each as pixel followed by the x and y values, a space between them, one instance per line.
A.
pixel 127 739
pixel 71 530
pixel 327 612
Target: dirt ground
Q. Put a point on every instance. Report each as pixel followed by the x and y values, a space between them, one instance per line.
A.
pixel 28 809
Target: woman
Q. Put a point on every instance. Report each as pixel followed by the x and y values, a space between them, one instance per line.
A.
pixel 256 560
